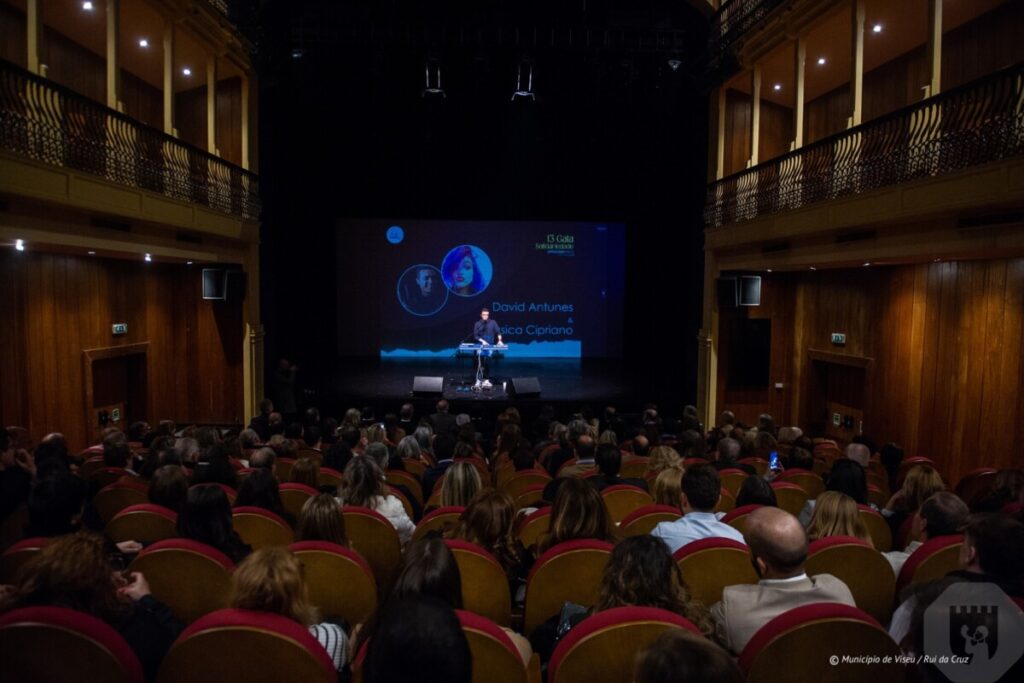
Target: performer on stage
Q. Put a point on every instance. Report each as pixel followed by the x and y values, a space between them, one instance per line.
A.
pixel 485 332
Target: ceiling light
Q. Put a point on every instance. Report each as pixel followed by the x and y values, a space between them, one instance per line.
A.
pixel 143 42
pixel 777 87
pixel 877 28
pixel 187 71
pixel 866 264
pixel 821 61
pixel 188 263
pixel 813 268
pixel 769 270
pixel 87 6
pixel 92 253
pixel 936 260
pixel 19 245
pixel 148 258
pixel 297 53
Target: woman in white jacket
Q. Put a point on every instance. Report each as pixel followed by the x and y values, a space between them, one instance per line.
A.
pixel 364 487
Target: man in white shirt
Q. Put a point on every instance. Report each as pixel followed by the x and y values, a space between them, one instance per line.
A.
pixel 701 489
pixel 778 545
pixel 941 515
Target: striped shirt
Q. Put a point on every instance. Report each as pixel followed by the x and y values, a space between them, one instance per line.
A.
pixel 334 640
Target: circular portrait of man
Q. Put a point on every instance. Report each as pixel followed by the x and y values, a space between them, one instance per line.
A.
pixel 466 270
pixel 421 290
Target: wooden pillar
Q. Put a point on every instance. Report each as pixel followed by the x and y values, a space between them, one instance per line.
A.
pixel 934 47
pixel 34 37
pixel 113 42
pixel 857 63
pixel 245 121
pixel 755 114
pixel 169 78
pixel 707 339
pixel 720 149
pixel 800 62
pixel 211 104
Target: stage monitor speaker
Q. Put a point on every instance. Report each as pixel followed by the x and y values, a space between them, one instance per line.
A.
pixel 728 292
pixel 427 386
pixel 525 387
pixel 750 290
pixel 214 284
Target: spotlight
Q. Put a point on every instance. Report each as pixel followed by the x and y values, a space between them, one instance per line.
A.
pixel 298 53
pixel 87 6
pixel 432 74
pixel 821 61
pixel 813 268
pixel 866 264
pixel 769 270
pixel 877 28
pixel 187 71
pixel 147 258
pixel 674 64
pixel 524 72
pixel 91 253
pixel 19 245
pixel 143 42
pixel 777 87
pixel 188 263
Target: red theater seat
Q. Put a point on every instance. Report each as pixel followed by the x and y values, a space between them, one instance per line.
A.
pixel 145 523
pixel 602 648
pixel 243 645
pixel 329 477
pixel 569 571
pixel 520 481
pixel 812 484
pixel 732 479
pixel 737 517
pixel 878 528
pixel 15 557
pixel 294 496
pixel 261 528
pixel 864 570
pixel 623 499
pixel 374 538
pixel 711 564
pixel 410 482
pixel 975 485
pixel 790 497
pixel 932 560
pixel 191 578
pixel 634 467
pixel 530 497
pixel 726 501
pixel 533 527
pixel 485 588
pixel 495 657
pixel 643 520
pixel 438 520
pixel 228 491
pixel 339 580
pixel 59 644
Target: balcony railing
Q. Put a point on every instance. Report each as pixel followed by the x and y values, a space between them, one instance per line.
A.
pixel 976 123
pixel 49 123
pixel 732 20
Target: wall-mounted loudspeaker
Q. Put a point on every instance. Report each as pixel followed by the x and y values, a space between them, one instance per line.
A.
pixel 750 290
pixel 223 285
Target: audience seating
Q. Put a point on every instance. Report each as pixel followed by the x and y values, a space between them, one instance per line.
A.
pixel 876 496
pixel 191 578
pixel 339 580
pixel 228 491
pixel 603 647
pixel 908 464
pixel 932 560
pixel 60 644
pixel 863 569
pixel 329 477
pixel 310 453
pixel 438 520
pixel 414 467
pixel 15 557
pixel 485 587
pixel 495 657
pixel 90 463
pixel 373 537
pixel 12 527
pixel 737 517
pixel 294 496
pixel 524 479
pixel 283 468
pixel 760 465
pixel 533 527
pixel 790 497
pixel 261 528
pixel 622 499
pixel 711 564
pixel 569 571
pixel 879 480
pixel 243 645
pixel 402 478
pixel 878 528
pixel 974 485
pixel 105 476
pixel 530 497
pixel 797 646
pixel 634 467
pixel 115 497
pixel 404 500
pixel 812 484
pixel 726 501
pixel 732 479
pixel 690 462
pixel 643 520
pixel 145 523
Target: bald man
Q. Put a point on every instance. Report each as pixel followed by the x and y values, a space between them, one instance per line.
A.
pixel 859 453
pixel 778 547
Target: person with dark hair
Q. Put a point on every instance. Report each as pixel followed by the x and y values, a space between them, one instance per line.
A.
pixel 418 639
pixel 756 491
pixel 338 455
pixel 169 487
pixel 778 548
pixel 321 520
pixel 311 437
pixel 206 517
pixel 701 491
pixel 727 455
pixel 441 420
pixel 55 505
pixel 137 432
pixel 942 514
pixel 364 487
pixel 681 657
pixel 215 468
pixel 846 477
pixel 263 459
pixel 891 456
pixel 444 454
pixel 116 452
pixel 609 461
pixel 261 423
pixel 261 490
pixel 462 273
pixel 293 431
pixel 51 455
pixel 578 511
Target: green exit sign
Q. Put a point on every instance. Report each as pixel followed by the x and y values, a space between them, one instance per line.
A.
pixel 120 328
pixel 839 339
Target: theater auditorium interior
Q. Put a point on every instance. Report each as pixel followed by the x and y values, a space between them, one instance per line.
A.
pixel 666 341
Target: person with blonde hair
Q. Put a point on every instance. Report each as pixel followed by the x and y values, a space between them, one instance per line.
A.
pixel 662 458
pixel 836 514
pixel 270 580
pixel 668 486
pixel 321 520
pixel 461 483
pixel 920 484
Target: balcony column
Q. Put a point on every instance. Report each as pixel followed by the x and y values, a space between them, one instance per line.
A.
pixel 707 339
pixel 245 121
pixel 169 78
pixel 798 106
pixel 934 48
pixel 113 42
pixel 211 104
pixel 857 63
pixel 720 149
pixel 34 37
pixel 755 114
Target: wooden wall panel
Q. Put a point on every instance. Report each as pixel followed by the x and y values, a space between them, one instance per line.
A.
pixel 74 66
pixel 737 131
pixel 56 306
pixel 776 130
pixel 989 43
pixel 229 119
pixel 190 116
pixel 12 35
pixel 142 101
pixel 947 342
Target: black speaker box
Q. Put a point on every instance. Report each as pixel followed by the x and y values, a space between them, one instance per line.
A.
pixel 525 387
pixel 750 290
pixel 427 386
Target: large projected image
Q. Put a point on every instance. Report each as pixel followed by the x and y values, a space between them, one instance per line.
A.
pixel 555 289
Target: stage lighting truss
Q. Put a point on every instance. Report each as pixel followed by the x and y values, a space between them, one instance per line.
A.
pixel 524 81
pixel 432 74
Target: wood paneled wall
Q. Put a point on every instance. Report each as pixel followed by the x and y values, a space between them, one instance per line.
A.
pixel 943 345
pixel 12 35
pixel 56 306
pixel 190 118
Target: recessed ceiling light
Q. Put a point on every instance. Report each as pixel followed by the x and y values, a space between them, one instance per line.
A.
pixel 143 42
pixel 92 253
pixel 821 61
pixel 777 87
pixel 813 268
pixel 188 263
pixel 866 264
pixel 19 245
pixel 936 260
pixel 87 6
pixel 769 270
pixel 877 28
pixel 148 258
pixel 187 71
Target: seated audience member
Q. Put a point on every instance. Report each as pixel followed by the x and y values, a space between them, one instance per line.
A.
pixel 206 517
pixel 677 656
pixel 567 451
pixel 609 461
pixel 261 423
pixel 305 471
pixel 668 488
pixel 260 489
pixel 846 477
pixel 727 455
pixel 836 515
pixel 424 436
pixel 270 580
pixel 586 450
pixel 215 468
pixel 992 552
pixel 608 436
pixel 263 459
pixel 778 546
pixel 56 505
pixel 116 452
pixel 51 455
pixel 311 437
pixel 921 482
pixel 364 487
pixel 386 460
pixel 321 520
pixel 662 458
pixel 578 512
pixel 800 459
pixel 859 453
pixel 409 448
pixel 942 514
pixel 756 491
pixel 489 522
pixel 74 572
pixel 338 455
pixel 1007 490
pixel 701 490
pixel 169 487
pixel 522 459
pixel 891 457
pixel 640 446
pixel 461 483
pixel 419 639
pixel 249 440
pixel 444 453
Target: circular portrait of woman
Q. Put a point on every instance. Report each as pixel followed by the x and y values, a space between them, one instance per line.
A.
pixel 466 270
pixel 421 290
